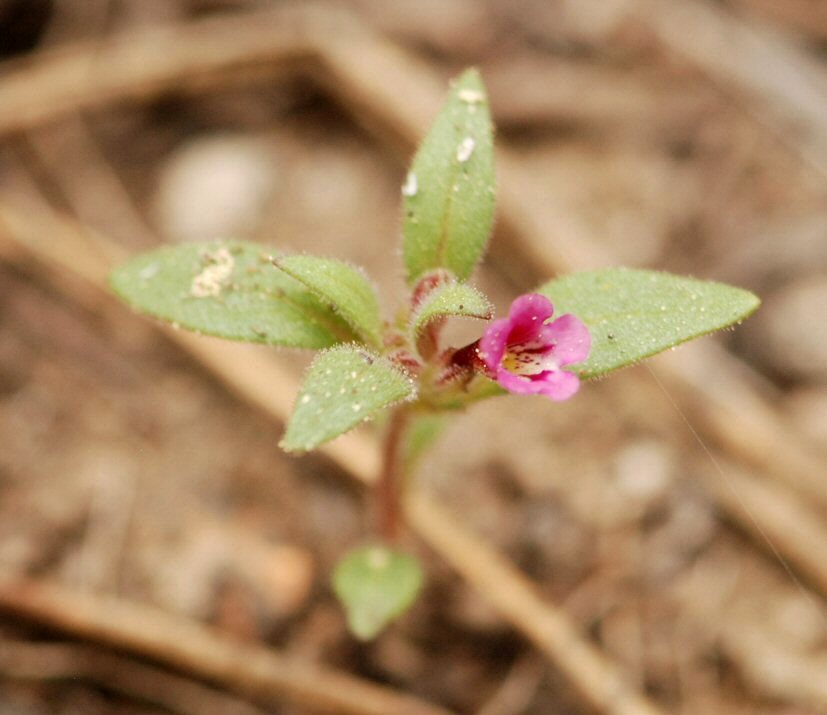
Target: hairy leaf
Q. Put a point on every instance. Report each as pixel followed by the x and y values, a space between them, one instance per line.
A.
pixel 451 299
pixel 344 287
pixel 449 191
pixel 633 314
pixel 231 290
pixel 343 387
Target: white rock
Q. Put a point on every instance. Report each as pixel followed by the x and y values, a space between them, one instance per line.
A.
pixel 643 470
pixel 215 187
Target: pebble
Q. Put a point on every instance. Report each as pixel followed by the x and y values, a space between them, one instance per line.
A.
pixel 643 471
pixel 215 186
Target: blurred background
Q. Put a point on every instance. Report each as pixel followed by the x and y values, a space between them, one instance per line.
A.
pixel 672 518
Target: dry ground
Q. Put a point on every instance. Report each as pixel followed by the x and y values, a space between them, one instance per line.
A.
pixel 671 521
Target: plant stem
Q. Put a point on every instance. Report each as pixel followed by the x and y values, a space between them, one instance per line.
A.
pixel 388 497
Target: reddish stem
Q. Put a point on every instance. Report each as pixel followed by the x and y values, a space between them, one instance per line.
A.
pixel 388 489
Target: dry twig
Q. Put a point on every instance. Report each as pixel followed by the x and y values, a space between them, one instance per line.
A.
pixel 806 17
pixel 780 655
pixel 783 87
pixel 138 66
pixel 71 661
pixel 779 517
pixel 517 689
pixel 195 648
pixel 549 628
pixel 537 90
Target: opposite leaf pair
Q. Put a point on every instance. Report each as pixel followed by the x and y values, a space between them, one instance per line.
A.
pixel 240 291
pixel 310 302
pixel 236 290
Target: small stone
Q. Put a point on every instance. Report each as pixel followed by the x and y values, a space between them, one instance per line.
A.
pixel 214 186
pixel 643 471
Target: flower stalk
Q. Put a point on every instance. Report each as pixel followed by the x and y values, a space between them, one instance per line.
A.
pixel 388 489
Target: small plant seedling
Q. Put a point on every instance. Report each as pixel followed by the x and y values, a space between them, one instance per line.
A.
pixel 570 329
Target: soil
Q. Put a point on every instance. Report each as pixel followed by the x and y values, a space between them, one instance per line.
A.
pixel 127 468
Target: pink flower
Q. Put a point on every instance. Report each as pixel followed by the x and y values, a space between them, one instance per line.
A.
pixel 526 355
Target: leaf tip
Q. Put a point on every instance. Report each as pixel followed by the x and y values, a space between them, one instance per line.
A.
pixel 754 302
pixel 286 444
pixel 470 77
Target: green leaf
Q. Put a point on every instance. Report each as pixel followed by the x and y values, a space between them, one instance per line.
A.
pixel 346 288
pixel 451 299
pixel 633 314
pixel 343 387
pixel 449 191
pixel 231 290
pixel 376 584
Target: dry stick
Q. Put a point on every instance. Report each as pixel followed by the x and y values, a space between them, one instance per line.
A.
pixel 550 629
pixel 517 689
pixel 786 89
pixel 139 65
pixel 539 89
pixel 211 52
pixel 805 17
pixel 770 666
pixel 98 197
pixel 73 661
pixel 785 518
pixel 190 646
pixel 253 375
pixel 792 670
pixel 397 96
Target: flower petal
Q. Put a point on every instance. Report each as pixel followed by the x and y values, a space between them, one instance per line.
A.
pixel 524 354
pixel 559 385
pixel 526 317
pixel 519 385
pixel 570 337
pixel 493 343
